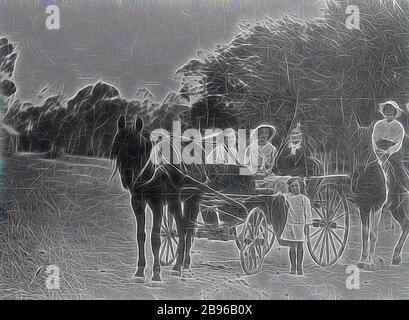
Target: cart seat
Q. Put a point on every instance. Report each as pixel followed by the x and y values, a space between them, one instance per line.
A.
pixel 272 184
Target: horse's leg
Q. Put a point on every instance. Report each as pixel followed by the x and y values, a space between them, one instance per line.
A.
pixel 138 207
pixel 397 252
pixel 374 226
pixel 365 236
pixel 175 209
pixel 388 219
pixel 192 211
pixel 398 199
pixel 156 208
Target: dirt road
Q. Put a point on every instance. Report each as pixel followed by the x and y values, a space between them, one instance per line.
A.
pixel 65 213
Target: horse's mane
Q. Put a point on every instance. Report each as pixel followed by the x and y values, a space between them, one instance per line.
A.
pixel 361 142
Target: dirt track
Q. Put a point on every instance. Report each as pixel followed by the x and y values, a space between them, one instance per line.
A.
pixel 65 213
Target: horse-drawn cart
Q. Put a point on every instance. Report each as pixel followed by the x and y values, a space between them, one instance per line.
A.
pixel 255 218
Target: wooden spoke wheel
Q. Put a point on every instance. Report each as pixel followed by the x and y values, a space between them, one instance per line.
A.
pixel 169 238
pixel 328 234
pixel 271 238
pixel 255 241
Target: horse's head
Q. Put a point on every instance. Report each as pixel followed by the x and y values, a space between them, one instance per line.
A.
pixel 361 145
pixel 124 131
pixel 130 150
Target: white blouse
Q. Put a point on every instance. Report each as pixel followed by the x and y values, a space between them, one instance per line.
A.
pixel 391 131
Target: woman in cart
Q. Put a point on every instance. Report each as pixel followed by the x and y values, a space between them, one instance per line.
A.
pixel 296 227
pixel 266 151
pixel 266 158
pixel 291 160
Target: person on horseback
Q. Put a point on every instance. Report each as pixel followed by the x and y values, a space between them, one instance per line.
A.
pixel 387 140
pixel 296 227
pixel 388 133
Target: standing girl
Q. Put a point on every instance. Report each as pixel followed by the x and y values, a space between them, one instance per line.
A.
pixel 296 227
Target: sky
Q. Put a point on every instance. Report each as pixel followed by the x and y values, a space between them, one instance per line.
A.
pixel 128 43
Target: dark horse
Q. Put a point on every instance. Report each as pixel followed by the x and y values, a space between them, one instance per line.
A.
pixel 155 186
pixel 374 192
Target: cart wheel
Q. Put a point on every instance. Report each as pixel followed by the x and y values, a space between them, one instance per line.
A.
pixel 255 241
pixel 169 238
pixel 271 238
pixel 328 234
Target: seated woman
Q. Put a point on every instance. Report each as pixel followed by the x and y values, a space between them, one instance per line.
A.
pixel 266 151
pixel 266 160
pixel 291 160
pixel 222 162
pixel 222 175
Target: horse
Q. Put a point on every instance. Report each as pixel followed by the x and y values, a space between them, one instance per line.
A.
pixel 155 186
pixel 397 180
pixel 375 190
pixel 369 187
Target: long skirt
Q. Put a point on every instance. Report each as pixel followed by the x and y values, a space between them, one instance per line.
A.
pixel 397 181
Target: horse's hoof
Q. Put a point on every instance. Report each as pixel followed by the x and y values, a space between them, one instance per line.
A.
pixel 139 279
pixel 156 278
pixel 177 267
pixel 186 267
pixel 380 263
pixel 155 284
pixel 369 267
pixel 396 260
pixel 139 274
pixel 187 274
pixel 176 273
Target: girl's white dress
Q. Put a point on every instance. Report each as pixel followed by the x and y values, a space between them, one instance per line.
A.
pixel 298 215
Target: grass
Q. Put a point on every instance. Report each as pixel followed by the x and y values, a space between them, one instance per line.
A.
pixel 52 222
pixel 64 213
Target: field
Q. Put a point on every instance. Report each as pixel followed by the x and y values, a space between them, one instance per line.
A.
pixel 65 213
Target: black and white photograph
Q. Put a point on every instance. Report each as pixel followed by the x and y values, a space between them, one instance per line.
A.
pixel 204 150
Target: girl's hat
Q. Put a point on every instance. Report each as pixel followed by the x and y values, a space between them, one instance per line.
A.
pixel 393 104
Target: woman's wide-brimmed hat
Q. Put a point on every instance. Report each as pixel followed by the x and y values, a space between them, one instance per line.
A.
pixel 273 130
pixel 393 104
